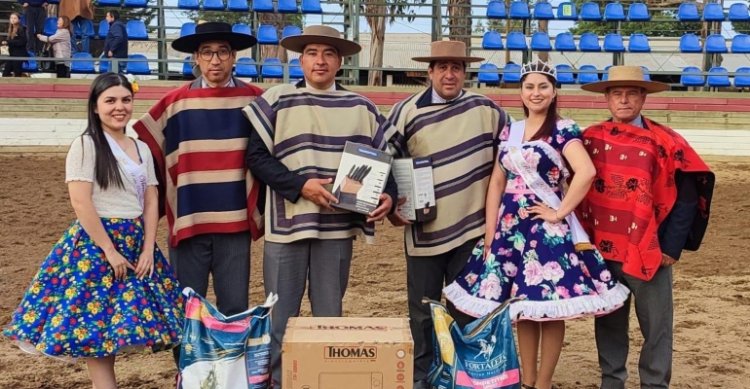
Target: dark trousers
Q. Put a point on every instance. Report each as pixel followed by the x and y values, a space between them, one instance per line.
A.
pixel 426 277
pixel 62 70
pixel 34 25
pixel 13 67
pixel 654 310
pixel 224 256
pixel 319 265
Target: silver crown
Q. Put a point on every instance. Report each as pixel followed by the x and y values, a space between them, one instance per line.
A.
pixel 539 67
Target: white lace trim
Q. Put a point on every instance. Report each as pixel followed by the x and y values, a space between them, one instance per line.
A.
pixel 571 308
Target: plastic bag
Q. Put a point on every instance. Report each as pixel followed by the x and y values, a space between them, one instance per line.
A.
pixel 220 352
pixel 481 356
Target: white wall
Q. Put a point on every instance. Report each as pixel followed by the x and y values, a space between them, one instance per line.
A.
pixel 53 133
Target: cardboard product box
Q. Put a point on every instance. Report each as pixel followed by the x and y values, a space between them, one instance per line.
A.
pixel 347 353
pixel 361 178
pixel 415 183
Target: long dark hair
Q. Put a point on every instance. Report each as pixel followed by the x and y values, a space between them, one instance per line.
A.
pixel 550 121
pixel 13 29
pixel 106 170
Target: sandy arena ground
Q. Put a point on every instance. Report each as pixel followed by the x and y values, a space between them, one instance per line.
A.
pixel 712 288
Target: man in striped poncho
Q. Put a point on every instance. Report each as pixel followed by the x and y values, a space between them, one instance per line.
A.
pixel 198 137
pixel 457 129
pixel 298 137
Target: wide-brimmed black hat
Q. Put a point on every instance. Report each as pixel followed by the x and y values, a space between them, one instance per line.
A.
pixel 213 31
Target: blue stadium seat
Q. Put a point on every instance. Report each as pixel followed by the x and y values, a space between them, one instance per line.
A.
pixel 638 12
pixel 565 74
pixel 108 3
pixel 84 29
pixel 496 10
pixel 738 12
pixel 84 65
pixel 516 40
pixel 188 4
pixel 564 42
pixel 605 73
pixel 492 40
pixel 589 42
pixel 614 12
pixel 242 28
pixel 691 76
pixel 287 6
pixel 543 11
pixel 688 12
pixel 246 67
pixel 103 29
pixel 238 6
pixel 30 65
pixel 519 9
pixel 567 11
pixel 587 74
pixel 590 12
pixel 295 70
pixel 23 20
pixel 715 43
pixel 741 43
pixel 139 65
pixel 136 3
pixel 267 35
pixel 50 26
pixel 136 30
pixel 53 2
pixel 646 74
pixel 488 74
pixel 742 77
pixel 311 7
pixel 104 65
pixel 540 41
pixel 187 67
pixel 511 73
pixel 262 6
pixel 272 68
pixel 638 44
pixel 187 28
pixel 718 77
pixel 213 5
pixel 290 30
pixel 690 43
pixel 713 12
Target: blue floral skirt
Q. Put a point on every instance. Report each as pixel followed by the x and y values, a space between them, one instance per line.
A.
pixel 76 308
pixel 537 262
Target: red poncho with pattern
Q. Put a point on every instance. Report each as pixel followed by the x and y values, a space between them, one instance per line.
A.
pixel 634 191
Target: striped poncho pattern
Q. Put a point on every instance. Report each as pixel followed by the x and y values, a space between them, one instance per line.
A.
pixel 306 130
pixel 198 137
pixel 460 137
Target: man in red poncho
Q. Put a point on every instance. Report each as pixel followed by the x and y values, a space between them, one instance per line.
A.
pixel 650 200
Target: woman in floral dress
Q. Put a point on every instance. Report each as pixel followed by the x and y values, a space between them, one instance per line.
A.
pixel 104 286
pixel 533 247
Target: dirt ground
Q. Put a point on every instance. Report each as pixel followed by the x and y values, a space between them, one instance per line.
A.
pixel 712 288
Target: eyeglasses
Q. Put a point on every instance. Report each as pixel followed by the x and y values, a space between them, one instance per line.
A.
pixel 208 55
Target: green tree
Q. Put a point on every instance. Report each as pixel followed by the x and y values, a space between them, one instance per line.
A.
pixel 377 13
pixel 741 27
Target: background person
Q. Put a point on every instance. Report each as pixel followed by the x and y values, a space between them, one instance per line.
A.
pixel 60 41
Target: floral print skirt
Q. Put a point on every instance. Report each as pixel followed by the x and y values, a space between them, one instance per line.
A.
pixel 76 308
pixel 536 261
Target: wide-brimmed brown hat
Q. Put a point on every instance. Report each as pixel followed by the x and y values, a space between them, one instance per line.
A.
pixel 213 31
pixel 321 35
pixel 448 51
pixel 625 76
